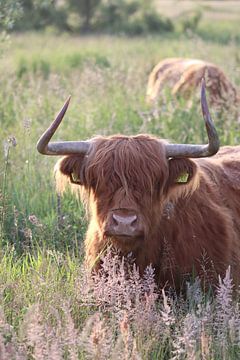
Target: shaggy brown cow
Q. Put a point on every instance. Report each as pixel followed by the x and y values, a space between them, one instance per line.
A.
pixel 184 76
pixel 151 198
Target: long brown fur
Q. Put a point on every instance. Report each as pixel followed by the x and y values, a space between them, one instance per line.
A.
pixel 183 222
pixel 184 76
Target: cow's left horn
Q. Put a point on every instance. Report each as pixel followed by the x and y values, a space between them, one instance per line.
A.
pixel 198 151
pixel 61 147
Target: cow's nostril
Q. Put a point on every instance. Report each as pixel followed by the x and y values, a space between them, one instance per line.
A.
pixel 115 221
pixel 134 222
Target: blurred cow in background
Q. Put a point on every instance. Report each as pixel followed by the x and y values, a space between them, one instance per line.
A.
pixel 183 76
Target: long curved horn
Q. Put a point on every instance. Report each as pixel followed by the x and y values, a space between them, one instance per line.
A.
pixel 198 151
pixel 61 147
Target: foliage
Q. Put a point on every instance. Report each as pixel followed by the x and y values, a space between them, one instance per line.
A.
pixel 128 16
pixel 58 310
pixel 132 17
pixel 190 21
pixel 10 11
pixel 86 9
pixel 39 14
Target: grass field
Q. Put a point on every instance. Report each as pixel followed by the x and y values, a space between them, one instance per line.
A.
pixel 214 10
pixel 50 309
pixel 219 19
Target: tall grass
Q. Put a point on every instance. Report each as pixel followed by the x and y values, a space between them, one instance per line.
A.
pixel 53 309
pixel 44 314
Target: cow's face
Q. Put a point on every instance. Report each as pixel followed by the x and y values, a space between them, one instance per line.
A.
pixel 128 180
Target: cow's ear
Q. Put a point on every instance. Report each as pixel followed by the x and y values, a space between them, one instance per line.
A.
pixel 181 172
pixel 73 167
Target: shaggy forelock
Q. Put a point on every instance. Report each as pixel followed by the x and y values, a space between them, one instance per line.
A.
pixel 136 164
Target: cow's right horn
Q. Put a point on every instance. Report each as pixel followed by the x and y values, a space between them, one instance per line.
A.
pixel 44 146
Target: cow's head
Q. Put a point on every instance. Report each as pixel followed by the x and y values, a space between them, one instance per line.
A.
pixel 129 180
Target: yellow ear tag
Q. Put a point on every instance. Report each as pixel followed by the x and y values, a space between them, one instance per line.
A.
pixel 183 178
pixel 74 178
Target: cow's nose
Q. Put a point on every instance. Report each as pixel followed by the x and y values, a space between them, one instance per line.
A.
pixel 124 220
pixel 125 224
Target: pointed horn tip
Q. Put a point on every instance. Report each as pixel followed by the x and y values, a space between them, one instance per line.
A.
pixel 204 103
pixel 203 81
pixel 65 106
pixel 203 87
pixel 67 101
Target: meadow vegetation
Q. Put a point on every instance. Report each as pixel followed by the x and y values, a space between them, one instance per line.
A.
pixel 50 307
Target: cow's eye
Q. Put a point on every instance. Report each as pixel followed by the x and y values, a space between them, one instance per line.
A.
pixel 157 186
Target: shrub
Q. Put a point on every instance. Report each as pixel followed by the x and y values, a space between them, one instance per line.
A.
pixel 86 10
pixel 147 23
pixel 190 21
pixel 132 18
pixel 10 12
pixel 157 23
pixel 39 14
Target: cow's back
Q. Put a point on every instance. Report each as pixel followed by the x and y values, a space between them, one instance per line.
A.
pixel 202 231
pixel 223 171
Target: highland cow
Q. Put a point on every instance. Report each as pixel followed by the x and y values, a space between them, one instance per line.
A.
pixel 184 76
pixel 168 204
